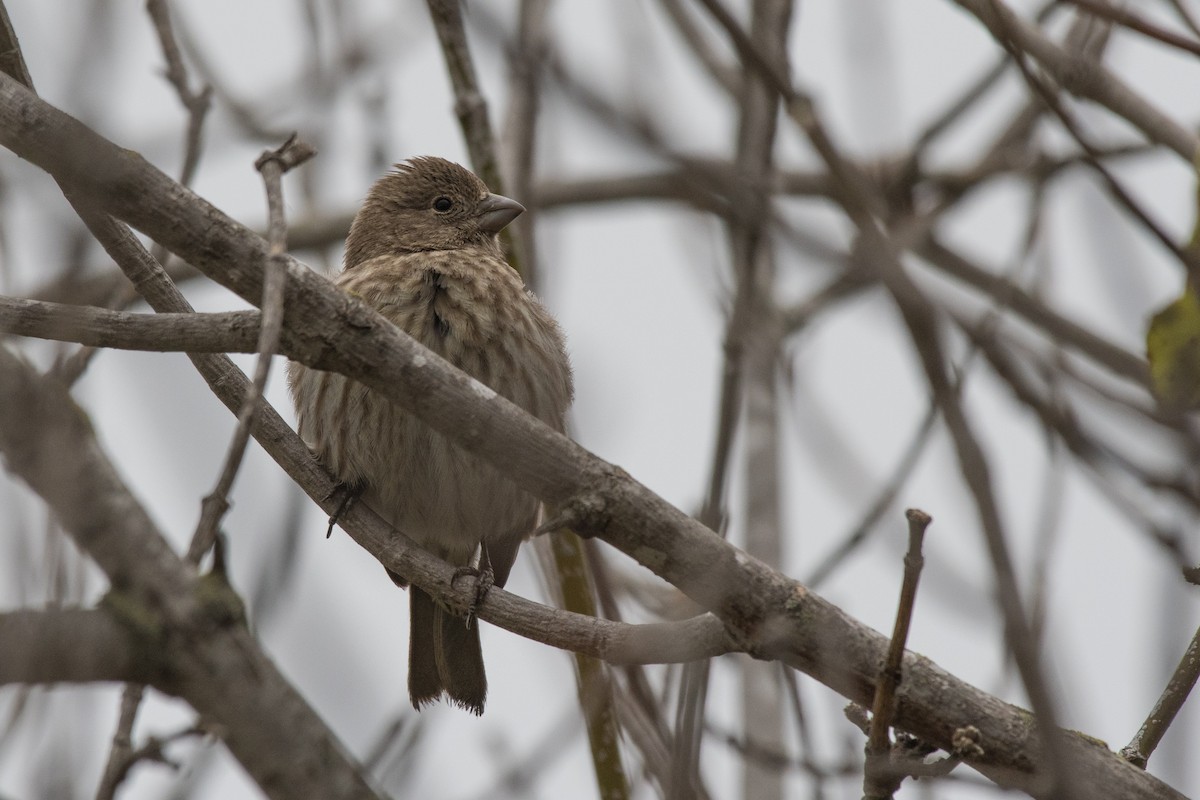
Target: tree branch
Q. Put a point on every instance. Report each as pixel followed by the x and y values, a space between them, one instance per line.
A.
pixel 71 645
pixel 325 329
pixel 186 631
pixel 223 332
pixel 1084 78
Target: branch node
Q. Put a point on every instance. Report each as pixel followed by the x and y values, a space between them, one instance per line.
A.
pixel 289 155
pixel 966 742
pixel 584 514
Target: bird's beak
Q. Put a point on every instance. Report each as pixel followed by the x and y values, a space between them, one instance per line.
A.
pixel 496 211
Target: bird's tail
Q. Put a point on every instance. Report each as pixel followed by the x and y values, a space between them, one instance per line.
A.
pixel 443 656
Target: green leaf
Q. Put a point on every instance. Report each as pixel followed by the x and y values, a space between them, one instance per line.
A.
pixel 1173 349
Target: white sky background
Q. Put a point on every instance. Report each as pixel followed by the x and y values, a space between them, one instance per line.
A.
pixel 639 289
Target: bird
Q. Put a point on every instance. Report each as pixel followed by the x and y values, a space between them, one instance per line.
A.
pixel 423 251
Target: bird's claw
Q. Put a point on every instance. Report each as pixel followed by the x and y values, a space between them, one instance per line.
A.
pixel 349 492
pixel 484 580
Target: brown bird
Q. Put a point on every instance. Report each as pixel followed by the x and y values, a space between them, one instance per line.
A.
pixel 423 252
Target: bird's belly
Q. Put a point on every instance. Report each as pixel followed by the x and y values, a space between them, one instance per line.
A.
pixel 445 499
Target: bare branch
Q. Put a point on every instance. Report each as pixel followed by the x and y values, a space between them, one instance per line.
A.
pixel 272 165
pixel 1177 691
pixel 72 645
pixel 204 655
pixel 328 330
pixel 884 771
pixel 469 103
pixel 121 753
pixel 1085 79
pixel 221 332
pixel 1132 21
pixel 196 103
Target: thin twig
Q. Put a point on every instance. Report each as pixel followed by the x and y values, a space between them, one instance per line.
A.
pixel 926 336
pixel 972 95
pixel 469 104
pixel 1184 16
pixel 880 779
pixel 1088 79
pixel 196 103
pixel 805 738
pixel 12 61
pixel 642 717
pixel 122 744
pixel 718 67
pixel 1185 257
pixel 525 59
pixel 272 165
pixel 153 751
pixel 158 211
pixel 883 500
pixel 863 207
pixel 1133 22
pixel 572 575
pixel 751 331
pixel 1112 357
pixel 1163 714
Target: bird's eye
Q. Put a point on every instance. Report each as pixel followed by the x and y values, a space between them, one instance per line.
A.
pixel 443 204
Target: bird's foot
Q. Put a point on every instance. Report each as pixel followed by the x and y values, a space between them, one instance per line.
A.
pixel 347 495
pixel 484 580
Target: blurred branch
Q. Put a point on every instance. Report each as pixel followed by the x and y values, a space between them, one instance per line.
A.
pixel 1058 328
pixel 124 757
pixel 753 281
pixel 673 185
pixel 970 97
pixel 864 208
pixel 469 104
pixel 121 754
pixel 186 635
pixel 754 339
pixel 923 323
pixel 575 591
pixel 1184 16
pixel 249 115
pixel 1084 78
pixel 328 330
pixel 525 59
pixel 643 718
pixel 882 502
pixel 1133 22
pixel 723 72
pixel 1059 420
pixel 574 582
pixel 71 645
pixel 103 288
pixel 1040 89
pixel 196 103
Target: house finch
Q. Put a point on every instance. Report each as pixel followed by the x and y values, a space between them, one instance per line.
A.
pixel 423 252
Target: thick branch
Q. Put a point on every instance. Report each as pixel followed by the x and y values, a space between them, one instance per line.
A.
pixel 180 622
pixel 67 646
pixel 325 329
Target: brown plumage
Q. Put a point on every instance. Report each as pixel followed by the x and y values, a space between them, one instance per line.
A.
pixel 423 252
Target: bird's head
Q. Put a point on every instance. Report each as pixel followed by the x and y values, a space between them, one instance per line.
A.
pixel 427 203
